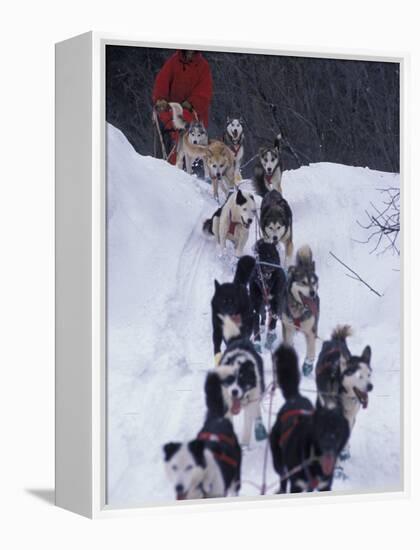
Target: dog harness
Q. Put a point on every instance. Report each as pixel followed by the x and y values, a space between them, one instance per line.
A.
pixel 236 148
pixel 297 321
pixel 327 363
pixel 232 224
pixel 293 417
pixel 220 438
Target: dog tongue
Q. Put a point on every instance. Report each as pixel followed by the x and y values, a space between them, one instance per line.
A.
pixel 363 397
pixel 236 406
pixel 327 463
pixel 236 319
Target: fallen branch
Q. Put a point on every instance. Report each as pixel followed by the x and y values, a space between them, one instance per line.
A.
pixel 357 276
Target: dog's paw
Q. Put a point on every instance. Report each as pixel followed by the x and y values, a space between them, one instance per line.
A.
pixel 257 346
pixel 307 368
pixel 260 431
pixel 345 454
pixel 270 339
pixel 340 474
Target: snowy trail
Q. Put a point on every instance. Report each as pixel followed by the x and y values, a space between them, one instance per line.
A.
pixel 161 273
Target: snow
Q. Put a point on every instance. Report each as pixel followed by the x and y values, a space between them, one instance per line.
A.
pixel 160 277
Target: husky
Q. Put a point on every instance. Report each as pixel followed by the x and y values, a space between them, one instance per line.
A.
pixel 267 289
pixel 210 465
pixel 233 220
pixel 195 134
pixel 242 376
pixel 219 160
pixel 276 221
pixel 305 442
pixel 268 169
pixel 232 299
pixel 343 378
pixel 302 304
pixel 233 137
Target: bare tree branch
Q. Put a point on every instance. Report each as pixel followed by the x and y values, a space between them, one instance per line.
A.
pixel 357 276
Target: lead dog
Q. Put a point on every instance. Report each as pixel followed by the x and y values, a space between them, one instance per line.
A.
pixel 276 221
pixel 302 304
pixel 233 220
pixel 242 376
pixel 210 465
pixel 305 442
pixel 343 378
pixel 219 161
pixel 233 137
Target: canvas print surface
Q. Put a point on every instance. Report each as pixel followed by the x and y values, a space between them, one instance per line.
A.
pixel 253 275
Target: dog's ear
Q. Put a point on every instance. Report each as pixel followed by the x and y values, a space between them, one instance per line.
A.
pixel 196 448
pixel 216 284
pixel 261 151
pixel 241 120
pixel 170 449
pixel 240 198
pixel 228 120
pixel 366 355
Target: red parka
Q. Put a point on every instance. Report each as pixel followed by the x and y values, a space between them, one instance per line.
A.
pixel 191 81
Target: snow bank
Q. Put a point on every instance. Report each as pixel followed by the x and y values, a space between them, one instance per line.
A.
pixel 161 273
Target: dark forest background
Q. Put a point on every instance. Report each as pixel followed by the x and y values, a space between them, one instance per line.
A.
pixel 330 110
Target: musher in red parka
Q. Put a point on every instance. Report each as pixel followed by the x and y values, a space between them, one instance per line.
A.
pixel 185 78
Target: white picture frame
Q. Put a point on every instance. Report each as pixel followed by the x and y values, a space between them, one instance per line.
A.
pixel 80 274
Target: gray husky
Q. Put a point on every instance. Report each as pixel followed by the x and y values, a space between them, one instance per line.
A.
pixel 268 169
pixel 301 310
pixel 234 139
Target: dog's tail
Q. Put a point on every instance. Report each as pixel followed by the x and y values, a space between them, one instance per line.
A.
pixel 341 332
pixel 287 369
pixel 216 406
pixel 258 181
pixel 244 269
pixel 231 329
pixel 278 140
pixel 304 256
pixel 208 226
pixel 178 119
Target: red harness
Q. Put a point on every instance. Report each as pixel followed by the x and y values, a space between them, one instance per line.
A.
pixel 232 225
pixel 223 457
pixel 295 415
pixel 235 149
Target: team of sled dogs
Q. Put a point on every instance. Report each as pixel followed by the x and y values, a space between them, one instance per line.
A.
pixel 306 441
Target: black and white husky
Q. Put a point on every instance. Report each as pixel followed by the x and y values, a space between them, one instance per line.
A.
pixel 343 378
pixel 242 376
pixel 302 304
pixel 276 222
pixel 210 465
pixel 233 220
pixel 268 169
pixel 233 137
